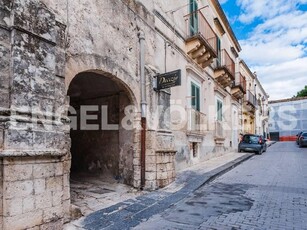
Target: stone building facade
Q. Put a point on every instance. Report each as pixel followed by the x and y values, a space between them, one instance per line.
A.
pixel 250 102
pixel 263 111
pixel 78 97
pixel 206 109
pixel 255 107
pixel 61 62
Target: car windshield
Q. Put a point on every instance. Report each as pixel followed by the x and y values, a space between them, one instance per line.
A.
pixel 251 139
pixel 304 134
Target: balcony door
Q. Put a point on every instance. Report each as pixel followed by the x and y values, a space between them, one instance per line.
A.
pixel 195 96
pixel 219 110
pixel 219 52
pixel 194 17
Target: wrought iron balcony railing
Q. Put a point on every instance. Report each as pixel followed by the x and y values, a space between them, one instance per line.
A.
pixel 201 40
pixel 225 61
pixel 197 121
pixel 201 27
pixel 250 98
pixel 240 82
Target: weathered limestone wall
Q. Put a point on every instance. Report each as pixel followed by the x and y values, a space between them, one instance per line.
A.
pixel 35 192
pixel 126 145
pixel 34 143
pixel 38 59
pixel 109 45
pixel 1 194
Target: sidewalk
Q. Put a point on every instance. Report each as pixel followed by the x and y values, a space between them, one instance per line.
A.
pixel 131 212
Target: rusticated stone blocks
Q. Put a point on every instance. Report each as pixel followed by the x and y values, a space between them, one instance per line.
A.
pixel 33 191
pixel 165 167
pixel 160 160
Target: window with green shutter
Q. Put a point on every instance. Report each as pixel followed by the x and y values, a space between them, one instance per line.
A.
pixel 195 94
pixel 194 17
pixel 219 53
pixel 219 110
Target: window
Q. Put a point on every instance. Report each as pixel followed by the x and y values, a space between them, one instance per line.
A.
pixel 219 53
pixel 219 110
pixel 195 97
pixel 193 17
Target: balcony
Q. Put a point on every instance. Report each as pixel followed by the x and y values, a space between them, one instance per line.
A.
pixel 224 71
pixel 197 122
pixel 239 87
pixel 250 99
pixel 201 41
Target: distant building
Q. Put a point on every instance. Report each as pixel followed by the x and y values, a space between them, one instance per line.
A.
pixel 287 118
pixel 262 112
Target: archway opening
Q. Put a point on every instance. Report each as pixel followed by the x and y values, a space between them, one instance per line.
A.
pixel 101 147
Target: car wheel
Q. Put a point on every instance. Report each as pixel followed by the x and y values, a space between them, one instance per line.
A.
pixel 300 145
pixel 239 150
pixel 258 153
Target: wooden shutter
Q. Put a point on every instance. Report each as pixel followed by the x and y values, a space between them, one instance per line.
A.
pixel 194 17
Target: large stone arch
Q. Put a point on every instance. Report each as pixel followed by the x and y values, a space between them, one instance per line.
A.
pixel 102 65
pixel 107 153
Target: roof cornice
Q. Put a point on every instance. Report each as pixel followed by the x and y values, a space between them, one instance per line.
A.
pixel 247 68
pixel 223 17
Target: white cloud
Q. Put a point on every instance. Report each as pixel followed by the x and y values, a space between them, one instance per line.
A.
pixel 283 80
pixel 290 28
pixel 224 1
pixel 263 8
pixel 269 53
pixel 276 47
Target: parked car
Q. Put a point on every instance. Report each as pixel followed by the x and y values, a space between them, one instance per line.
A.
pixel 298 137
pixel 303 140
pixel 252 143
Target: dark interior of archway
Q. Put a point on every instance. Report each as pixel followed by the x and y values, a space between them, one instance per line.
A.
pixel 103 147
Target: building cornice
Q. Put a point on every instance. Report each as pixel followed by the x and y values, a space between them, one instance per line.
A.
pixel 247 68
pixel 261 87
pixel 228 28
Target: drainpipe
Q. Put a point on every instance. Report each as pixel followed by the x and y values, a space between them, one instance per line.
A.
pixel 143 106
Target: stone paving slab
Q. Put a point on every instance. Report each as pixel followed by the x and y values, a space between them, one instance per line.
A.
pixel 267 192
pixel 130 213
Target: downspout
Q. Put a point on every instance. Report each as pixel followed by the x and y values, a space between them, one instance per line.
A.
pixel 143 106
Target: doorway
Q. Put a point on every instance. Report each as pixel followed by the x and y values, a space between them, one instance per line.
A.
pixel 102 149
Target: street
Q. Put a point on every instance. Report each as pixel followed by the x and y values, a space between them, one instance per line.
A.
pixel 268 191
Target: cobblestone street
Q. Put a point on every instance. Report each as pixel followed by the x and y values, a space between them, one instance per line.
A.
pixel 268 191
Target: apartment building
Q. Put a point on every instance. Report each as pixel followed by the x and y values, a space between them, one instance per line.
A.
pixel 135 90
pixel 255 108
pixel 196 38
pixel 249 105
pixel 263 111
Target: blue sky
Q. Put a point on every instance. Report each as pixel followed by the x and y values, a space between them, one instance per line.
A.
pixel 273 37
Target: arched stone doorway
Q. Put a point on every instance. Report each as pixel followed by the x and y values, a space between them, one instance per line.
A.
pixel 102 149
